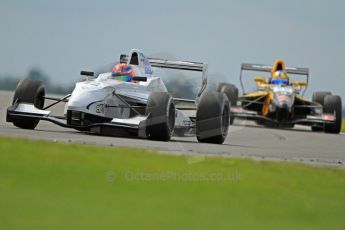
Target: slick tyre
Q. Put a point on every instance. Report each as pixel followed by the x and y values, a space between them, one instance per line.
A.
pixel 212 118
pixel 333 104
pixel 32 92
pixel 319 97
pixel 231 91
pixel 161 116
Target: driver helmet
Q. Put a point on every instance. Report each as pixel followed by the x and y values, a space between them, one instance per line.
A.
pixel 124 69
pixel 280 77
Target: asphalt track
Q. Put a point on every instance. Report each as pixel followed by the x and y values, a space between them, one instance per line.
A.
pixel 244 140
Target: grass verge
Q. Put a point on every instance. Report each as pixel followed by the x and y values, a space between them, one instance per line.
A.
pixel 47 185
pixel 343 125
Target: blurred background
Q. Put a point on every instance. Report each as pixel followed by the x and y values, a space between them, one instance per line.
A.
pixel 54 40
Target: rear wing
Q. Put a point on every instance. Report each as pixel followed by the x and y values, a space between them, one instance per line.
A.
pixel 268 68
pixel 178 65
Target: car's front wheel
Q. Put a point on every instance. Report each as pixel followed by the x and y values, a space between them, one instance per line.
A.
pixel 319 97
pixel 32 92
pixel 161 116
pixel 333 105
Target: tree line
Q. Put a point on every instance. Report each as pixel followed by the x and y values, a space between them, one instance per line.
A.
pixel 9 82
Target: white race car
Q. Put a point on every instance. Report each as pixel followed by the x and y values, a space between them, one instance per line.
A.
pixel 128 100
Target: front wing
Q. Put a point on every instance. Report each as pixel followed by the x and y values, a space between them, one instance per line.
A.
pixel 240 113
pixel 135 125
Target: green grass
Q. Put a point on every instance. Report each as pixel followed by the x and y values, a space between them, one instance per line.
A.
pixel 47 185
pixel 343 125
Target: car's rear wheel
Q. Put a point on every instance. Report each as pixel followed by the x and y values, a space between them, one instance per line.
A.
pixel 161 120
pixel 231 91
pixel 32 92
pixel 333 105
pixel 318 97
pixel 212 118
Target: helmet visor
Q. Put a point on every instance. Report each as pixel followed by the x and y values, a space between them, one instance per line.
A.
pixel 279 81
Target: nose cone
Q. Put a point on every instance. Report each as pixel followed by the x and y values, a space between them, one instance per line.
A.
pixel 86 93
pixel 284 105
pixel 283 101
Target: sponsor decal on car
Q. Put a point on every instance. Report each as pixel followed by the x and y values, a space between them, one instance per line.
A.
pixel 283 98
pixel 101 108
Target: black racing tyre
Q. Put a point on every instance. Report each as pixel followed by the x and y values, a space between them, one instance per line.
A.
pixel 332 104
pixel 231 91
pixel 161 120
pixel 212 117
pixel 221 84
pixel 32 92
pixel 319 97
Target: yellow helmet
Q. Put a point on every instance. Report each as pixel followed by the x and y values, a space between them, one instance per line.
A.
pixel 280 74
pixel 280 77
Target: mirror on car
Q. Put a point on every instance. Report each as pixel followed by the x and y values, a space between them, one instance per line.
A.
pixel 135 78
pixel 87 73
pixel 261 80
pixel 138 78
pixel 300 83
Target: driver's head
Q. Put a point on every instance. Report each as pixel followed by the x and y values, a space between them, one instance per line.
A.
pixel 125 71
pixel 280 77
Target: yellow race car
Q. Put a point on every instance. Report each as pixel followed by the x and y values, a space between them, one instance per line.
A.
pixel 278 101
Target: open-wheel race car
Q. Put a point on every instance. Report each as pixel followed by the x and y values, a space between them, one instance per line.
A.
pixel 128 100
pixel 279 102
